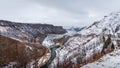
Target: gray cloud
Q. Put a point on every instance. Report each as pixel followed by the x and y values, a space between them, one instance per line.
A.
pixel 57 12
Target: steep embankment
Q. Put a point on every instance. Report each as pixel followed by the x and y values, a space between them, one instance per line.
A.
pixel 19 52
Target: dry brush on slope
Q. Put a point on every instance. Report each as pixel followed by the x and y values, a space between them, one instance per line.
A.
pixel 22 53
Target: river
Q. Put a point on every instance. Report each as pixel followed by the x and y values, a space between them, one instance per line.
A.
pixel 53 55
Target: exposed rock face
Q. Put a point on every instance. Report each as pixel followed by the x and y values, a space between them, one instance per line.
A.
pixel 28 32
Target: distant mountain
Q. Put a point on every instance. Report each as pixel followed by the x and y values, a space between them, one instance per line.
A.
pixel 72 28
pixel 28 32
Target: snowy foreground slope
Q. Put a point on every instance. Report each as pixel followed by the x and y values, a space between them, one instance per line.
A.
pixel 111 60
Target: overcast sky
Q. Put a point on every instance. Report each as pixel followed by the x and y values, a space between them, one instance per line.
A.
pixel 57 12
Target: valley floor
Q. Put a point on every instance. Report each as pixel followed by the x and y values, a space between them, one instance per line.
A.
pixel 111 60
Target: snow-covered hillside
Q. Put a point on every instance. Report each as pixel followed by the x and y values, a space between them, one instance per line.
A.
pixel 78 50
pixel 111 60
pixel 28 32
pixel 89 42
pixel 110 24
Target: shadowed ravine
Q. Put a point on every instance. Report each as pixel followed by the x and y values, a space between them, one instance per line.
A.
pixel 53 55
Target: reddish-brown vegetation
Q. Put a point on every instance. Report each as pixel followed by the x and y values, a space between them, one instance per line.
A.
pixel 15 51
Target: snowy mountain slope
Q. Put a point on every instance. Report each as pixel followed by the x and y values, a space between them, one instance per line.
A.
pixel 110 24
pixel 78 50
pixel 89 43
pixel 28 32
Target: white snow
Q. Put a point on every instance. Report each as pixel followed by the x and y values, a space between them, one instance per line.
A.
pixel 111 60
pixel 3 29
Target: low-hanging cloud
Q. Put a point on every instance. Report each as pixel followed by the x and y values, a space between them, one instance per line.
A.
pixel 57 12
